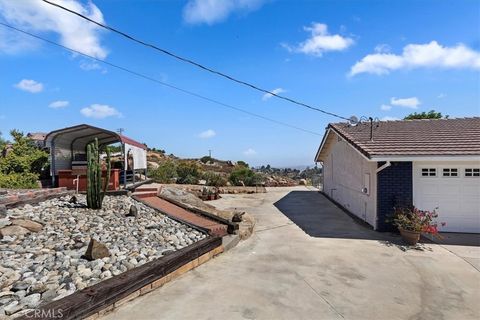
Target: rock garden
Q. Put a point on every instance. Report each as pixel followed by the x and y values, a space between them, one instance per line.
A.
pixel 58 246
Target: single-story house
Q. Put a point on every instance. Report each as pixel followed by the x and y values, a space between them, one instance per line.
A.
pixel 370 168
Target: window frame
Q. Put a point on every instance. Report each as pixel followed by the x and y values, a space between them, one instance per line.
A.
pixel 428 172
pixel 474 173
pixel 450 173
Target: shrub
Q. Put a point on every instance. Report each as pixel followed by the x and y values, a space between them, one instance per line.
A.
pixel 245 175
pixel 214 180
pixel 206 159
pixel 165 173
pixel 242 163
pixel 26 180
pixel 188 173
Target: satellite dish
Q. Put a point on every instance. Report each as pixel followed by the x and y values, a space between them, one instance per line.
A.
pixel 353 120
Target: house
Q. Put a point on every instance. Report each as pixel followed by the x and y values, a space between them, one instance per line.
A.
pixel 38 138
pixel 432 164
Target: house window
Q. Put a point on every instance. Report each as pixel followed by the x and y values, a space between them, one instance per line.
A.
pixel 472 172
pixel 450 172
pixel 429 172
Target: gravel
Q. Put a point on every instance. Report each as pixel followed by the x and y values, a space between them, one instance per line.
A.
pixel 39 267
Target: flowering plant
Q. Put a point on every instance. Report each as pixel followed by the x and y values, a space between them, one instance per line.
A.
pixel 413 219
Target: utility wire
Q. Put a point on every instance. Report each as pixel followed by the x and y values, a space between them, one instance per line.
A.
pixel 196 64
pixel 138 74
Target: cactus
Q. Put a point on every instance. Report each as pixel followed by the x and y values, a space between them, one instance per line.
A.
pixel 95 194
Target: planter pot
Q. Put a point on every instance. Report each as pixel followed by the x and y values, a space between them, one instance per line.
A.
pixel 410 237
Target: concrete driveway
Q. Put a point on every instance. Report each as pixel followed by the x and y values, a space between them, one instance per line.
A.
pixel 323 266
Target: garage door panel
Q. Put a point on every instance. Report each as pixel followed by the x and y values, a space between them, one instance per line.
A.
pixel 457 198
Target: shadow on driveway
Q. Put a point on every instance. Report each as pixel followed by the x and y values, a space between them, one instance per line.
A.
pixel 319 217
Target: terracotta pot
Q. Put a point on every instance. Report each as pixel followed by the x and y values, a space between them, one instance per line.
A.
pixel 410 237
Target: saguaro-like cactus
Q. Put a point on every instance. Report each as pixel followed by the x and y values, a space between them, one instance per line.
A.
pixel 95 194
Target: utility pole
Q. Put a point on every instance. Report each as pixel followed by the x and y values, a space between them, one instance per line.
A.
pixel 120 130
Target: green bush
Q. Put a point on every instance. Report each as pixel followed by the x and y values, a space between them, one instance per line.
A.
pixel 26 180
pixel 23 164
pixel 165 173
pixel 188 173
pixel 214 180
pixel 206 159
pixel 244 174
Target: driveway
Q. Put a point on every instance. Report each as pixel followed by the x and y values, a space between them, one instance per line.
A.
pixel 309 260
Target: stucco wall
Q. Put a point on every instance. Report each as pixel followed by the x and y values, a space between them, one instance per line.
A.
pixel 344 179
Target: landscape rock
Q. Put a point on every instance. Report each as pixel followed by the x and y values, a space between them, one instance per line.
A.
pixel 96 250
pixel 50 263
pixel 28 224
pixel 31 301
pixel 13 231
pixel 4 222
pixel 133 211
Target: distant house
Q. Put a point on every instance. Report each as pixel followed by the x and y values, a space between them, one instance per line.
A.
pixel 38 138
pixel 427 163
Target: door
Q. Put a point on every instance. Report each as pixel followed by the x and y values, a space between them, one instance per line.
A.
pixel 453 188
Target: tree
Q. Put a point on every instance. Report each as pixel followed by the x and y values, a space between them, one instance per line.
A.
pixel 23 164
pixel 432 114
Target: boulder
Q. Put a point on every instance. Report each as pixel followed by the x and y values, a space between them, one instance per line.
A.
pixel 96 250
pixel 13 231
pixel 28 224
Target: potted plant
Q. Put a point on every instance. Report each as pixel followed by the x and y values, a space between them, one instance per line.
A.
pixel 412 222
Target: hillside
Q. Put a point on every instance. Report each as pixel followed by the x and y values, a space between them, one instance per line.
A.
pixel 168 168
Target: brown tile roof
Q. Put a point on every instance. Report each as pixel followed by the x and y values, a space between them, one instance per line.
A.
pixel 442 137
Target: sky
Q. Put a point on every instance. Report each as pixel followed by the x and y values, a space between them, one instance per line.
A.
pixel 383 59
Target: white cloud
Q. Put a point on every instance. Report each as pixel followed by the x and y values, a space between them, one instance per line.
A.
pixel 429 55
pixel 59 104
pixel 207 134
pixel 412 102
pixel 441 96
pixel 320 41
pixel 267 96
pixel 385 107
pixel 31 86
pixel 213 11
pixel 387 118
pixel 249 152
pixel 34 15
pixel 100 111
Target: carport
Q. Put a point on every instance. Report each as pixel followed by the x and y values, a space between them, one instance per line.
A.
pixel 68 156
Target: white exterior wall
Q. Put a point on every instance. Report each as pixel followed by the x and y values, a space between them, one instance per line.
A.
pixel 345 174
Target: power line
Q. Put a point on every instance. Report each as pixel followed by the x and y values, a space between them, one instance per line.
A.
pixel 196 64
pixel 162 83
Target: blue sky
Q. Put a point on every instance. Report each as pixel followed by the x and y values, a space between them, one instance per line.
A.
pixel 382 59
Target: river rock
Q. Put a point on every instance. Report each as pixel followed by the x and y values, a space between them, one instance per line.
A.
pixel 31 301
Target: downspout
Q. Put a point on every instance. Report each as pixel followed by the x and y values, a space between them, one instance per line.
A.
pixel 384 166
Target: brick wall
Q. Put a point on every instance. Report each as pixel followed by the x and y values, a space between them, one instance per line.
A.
pixel 394 189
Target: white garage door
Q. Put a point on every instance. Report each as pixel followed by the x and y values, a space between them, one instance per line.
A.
pixel 454 189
